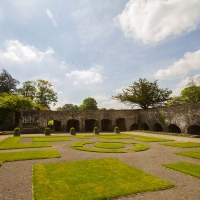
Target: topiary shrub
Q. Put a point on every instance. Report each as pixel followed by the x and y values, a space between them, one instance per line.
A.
pixel 116 129
pixel 16 132
pixel 47 131
pixel 96 131
pixel 72 131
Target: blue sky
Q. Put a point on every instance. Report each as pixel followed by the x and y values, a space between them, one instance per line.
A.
pixel 94 48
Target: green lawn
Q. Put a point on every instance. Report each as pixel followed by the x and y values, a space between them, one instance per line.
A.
pixel 139 147
pixel 81 144
pixel 116 136
pixel 116 141
pixel 109 145
pixel 82 137
pixel 28 155
pixel 13 143
pixel 185 167
pixel 150 139
pixel 91 179
pixel 50 139
pixel 192 154
pixel 99 150
pixel 183 144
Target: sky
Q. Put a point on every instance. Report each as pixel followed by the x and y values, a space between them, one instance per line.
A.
pixel 94 48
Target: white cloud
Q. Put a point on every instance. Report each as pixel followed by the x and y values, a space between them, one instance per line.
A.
pixel 54 22
pixel 49 14
pixel 181 68
pixel 120 90
pixel 154 20
pixel 100 97
pixel 85 76
pixel 17 52
pixel 183 84
pixel 113 104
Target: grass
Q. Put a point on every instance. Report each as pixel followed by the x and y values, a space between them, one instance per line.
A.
pixel 186 168
pixel 150 139
pixel 109 145
pixel 50 139
pixel 191 154
pixel 13 143
pixel 116 141
pixel 116 136
pixel 28 155
pixel 99 150
pixel 81 144
pixel 139 147
pixel 91 179
pixel 81 137
pixel 183 144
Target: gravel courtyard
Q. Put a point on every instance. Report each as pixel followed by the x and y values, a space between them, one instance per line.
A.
pixel 16 177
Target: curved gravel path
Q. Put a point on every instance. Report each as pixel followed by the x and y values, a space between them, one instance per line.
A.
pixel 16 177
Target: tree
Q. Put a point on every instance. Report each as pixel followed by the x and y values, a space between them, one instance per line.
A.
pixel 40 91
pixel 13 102
pixel 176 100
pixel 191 94
pixel 89 104
pixel 45 94
pixel 28 89
pixel 68 107
pixel 7 82
pixel 144 94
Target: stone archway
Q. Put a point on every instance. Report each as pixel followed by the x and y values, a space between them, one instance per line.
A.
pixel 73 123
pixel 134 127
pixel 121 124
pixel 173 128
pixel 144 127
pixel 193 130
pixel 90 124
pixel 157 127
pixel 106 125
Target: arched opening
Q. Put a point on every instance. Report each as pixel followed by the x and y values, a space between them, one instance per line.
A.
pixel 144 127
pixel 106 125
pixel 194 130
pixel 57 125
pixel 121 124
pixel 172 128
pixel 73 123
pixel 134 127
pixel 157 127
pixel 90 124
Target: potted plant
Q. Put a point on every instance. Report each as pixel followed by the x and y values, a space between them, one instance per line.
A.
pixel 96 131
pixel 72 131
pixel 17 131
pixel 47 131
pixel 116 130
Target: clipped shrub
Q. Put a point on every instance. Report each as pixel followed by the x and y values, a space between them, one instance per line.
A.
pixel 116 128
pixel 17 129
pixel 72 129
pixel 47 129
pixel 95 128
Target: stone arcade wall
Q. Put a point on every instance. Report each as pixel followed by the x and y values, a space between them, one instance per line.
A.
pixel 181 118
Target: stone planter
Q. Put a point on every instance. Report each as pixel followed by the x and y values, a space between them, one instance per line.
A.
pixel 47 133
pixel 16 133
pixel 72 132
pixel 117 131
pixel 96 131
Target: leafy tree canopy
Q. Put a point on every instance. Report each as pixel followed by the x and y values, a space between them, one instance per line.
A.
pixel 7 82
pixel 13 102
pixel 89 104
pixel 40 91
pixel 144 94
pixel 68 107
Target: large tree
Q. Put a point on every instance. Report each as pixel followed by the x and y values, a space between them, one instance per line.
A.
pixel 89 104
pixel 144 94
pixel 69 106
pixel 13 102
pixel 7 82
pixel 28 89
pixel 40 91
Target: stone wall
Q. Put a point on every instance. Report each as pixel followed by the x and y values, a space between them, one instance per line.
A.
pixel 181 119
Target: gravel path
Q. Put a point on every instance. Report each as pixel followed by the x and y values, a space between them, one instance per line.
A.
pixel 16 183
